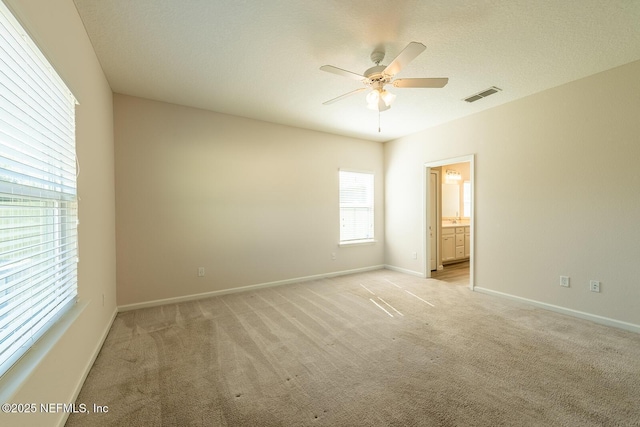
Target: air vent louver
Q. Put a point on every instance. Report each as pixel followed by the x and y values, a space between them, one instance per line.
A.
pixel 483 94
pixel 473 98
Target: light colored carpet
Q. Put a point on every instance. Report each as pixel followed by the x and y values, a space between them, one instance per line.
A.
pixel 325 353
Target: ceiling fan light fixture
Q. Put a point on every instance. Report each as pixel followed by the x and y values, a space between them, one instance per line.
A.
pixel 373 97
pixel 379 100
pixel 388 97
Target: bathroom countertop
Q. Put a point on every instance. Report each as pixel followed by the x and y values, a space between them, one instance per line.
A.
pixel 448 224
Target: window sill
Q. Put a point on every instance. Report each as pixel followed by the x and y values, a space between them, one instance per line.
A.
pixel 358 242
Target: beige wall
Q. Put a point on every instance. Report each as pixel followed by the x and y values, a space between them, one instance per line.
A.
pixel 556 193
pixel 57 29
pixel 249 201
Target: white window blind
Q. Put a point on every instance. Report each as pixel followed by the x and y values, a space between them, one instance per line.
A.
pixel 356 206
pixel 38 208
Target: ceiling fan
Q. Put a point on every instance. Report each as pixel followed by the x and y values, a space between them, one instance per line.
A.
pixel 376 77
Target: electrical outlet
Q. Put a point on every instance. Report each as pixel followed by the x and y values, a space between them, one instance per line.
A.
pixel 333 255
pixel 414 255
pixel 594 286
pixel 200 271
pixel 564 281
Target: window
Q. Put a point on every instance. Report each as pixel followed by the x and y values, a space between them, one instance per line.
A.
pixel 356 206
pixel 466 197
pixel 38 207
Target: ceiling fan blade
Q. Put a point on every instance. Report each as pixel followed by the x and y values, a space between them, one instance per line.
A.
pixel 353 92
pixel 341 72
pixel 426 82
pixel 407 55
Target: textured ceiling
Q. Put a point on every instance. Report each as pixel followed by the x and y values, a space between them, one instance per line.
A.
pixel 261 59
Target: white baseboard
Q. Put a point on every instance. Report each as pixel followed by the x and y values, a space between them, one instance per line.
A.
pixel 90 363
pixel 403 270
pixel 563 310
pixel 192 297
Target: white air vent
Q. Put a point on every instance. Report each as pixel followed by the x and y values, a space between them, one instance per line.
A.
pixel 483 94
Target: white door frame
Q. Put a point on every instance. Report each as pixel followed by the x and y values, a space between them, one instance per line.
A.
pixel 426 247
pixel 437 209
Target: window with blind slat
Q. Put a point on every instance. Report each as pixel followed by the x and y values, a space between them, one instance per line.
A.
pixel 356 206
pixel 38 205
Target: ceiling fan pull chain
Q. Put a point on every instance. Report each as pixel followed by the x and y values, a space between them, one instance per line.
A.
pixel 378 121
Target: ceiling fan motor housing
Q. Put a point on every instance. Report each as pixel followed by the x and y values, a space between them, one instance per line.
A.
pixel 375 76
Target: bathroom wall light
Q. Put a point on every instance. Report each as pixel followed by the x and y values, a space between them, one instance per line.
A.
pixel 452 175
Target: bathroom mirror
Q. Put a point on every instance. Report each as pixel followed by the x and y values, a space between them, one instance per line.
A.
pixel 450 200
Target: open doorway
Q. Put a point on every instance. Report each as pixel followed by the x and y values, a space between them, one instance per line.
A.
pixel 449 219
